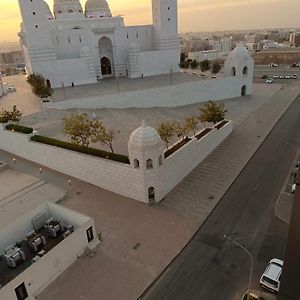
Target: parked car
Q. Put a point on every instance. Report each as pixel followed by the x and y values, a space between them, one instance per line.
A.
pixel 276 76
pixel 269 80
pixel 8 87
pixel 293 189
pixel 273 65
pixel 281 76
pixel 270 279
pixel 264 76
pixel 46 99
pixel 294 76
pixel 288 76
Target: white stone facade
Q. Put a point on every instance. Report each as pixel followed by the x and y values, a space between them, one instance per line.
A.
pixel 149 177
pixel 73 46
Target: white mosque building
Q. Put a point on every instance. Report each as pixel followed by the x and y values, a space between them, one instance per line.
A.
pixel 73 46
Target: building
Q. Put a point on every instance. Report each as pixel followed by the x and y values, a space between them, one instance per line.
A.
pixel 73 46
pixel 295 39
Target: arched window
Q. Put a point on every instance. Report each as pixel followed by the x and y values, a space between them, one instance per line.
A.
pixel 59 11
pixel 149 164
pixel 151 194
pixel 160 160
pixel 244 90
pixel 70 10
pixel 233 71
pixel 136 163
pixel 245 70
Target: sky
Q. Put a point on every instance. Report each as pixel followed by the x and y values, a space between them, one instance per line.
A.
pixel 194 15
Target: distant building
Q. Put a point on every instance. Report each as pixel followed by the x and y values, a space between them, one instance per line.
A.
pixel 75 46
pixel 295 39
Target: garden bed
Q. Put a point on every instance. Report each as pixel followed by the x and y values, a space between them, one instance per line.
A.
pixel 177 146
pixel 82 149
pixel 203 133
pixel 221 124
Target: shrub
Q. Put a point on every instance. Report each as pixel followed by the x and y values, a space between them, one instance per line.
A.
pixel 82 149
pixel 19 128
pixel 3 120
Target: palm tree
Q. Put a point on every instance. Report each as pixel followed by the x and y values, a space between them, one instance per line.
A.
pixel 191 124
pixel 166 132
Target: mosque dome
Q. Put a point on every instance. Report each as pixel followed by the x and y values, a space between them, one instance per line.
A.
pixel 144 137
pixel 97 9
pixel 67 9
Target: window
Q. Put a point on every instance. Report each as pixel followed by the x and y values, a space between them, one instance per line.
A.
pixel 36 26
pixel 70 10
pixel 137 35
pixel 80 40
pixel 168 7
pixel 90 234
pixel 233 71
pixel 33 13
pixel 169 19
pixel 21 292
pixel 127 35
pixel 149 164
pixel 59 11
pixel 136 163
pixel 245 70
pixel 69 41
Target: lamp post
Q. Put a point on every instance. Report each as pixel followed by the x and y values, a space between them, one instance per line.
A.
pixel 283 77
pixel 171 75
pixel 251 259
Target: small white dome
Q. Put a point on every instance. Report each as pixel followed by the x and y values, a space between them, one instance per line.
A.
pixel 97 9
pixel 240 51
pixel 144 137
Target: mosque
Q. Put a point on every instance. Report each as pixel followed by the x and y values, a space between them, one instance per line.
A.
pixel 72 46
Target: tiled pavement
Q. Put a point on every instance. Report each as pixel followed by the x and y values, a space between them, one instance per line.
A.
pixel 207 183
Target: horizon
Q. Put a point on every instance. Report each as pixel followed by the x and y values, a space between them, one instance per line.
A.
pixel 194 15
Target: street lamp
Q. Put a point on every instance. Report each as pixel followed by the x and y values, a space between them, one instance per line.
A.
pixel 171 75
pixel 251 259
pixel 283 77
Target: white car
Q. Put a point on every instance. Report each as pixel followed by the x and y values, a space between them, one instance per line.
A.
pixel 276 76
pixel 288 76
pixel 281 76
pixel 294 76
pixel 8 88
pixel 269 80
pixel 270 279
pixel 293 188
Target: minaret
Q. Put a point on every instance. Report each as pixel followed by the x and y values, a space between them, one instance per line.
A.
pixel 165 23
pixel 35 33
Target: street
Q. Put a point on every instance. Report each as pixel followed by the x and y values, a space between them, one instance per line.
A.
pixel 211 267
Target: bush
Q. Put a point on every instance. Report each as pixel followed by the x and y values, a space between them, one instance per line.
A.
pixel 3 120
pixel 19 128
pixel 82 149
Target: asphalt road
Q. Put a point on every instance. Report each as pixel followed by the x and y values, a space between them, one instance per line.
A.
pixel 213 268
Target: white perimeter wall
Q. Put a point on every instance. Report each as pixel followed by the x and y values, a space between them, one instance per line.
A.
pixel 168 96
pixel 47 268
pixel 120 178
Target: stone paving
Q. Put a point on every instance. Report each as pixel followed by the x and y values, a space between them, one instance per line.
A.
pixel 207 183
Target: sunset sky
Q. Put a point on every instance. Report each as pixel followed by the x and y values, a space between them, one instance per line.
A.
pixel 194 15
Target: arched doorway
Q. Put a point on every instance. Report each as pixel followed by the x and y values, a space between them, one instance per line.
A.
pixel 151 194
pixel 244 90
pixel 105 66
pixel 106 56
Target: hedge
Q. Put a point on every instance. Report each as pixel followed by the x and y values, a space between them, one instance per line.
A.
pixel 82 149
pixel 3 120
pixel 19 128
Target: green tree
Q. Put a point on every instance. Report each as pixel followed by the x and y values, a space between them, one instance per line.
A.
pixel 166 132
pixel 216 67
pixel 184 65
pixel 180 130
pixel 78 128
pixel 191 124
pixel 182 57
pixel 212 112
pixel 13 116
pixel 204 65
pixel 38 85
pixel 194 64
pixel 105 136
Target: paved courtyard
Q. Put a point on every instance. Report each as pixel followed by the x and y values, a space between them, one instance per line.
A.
pixel 49 122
